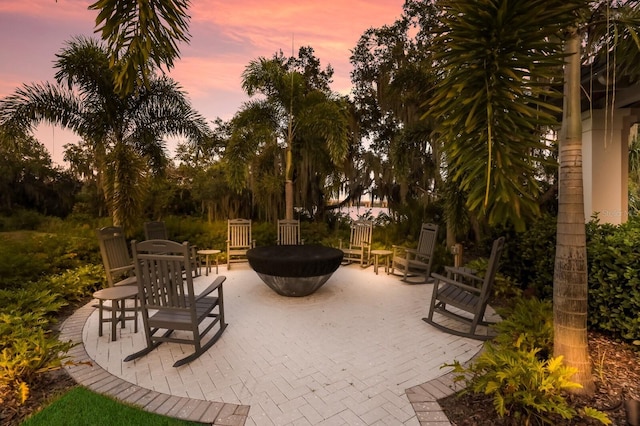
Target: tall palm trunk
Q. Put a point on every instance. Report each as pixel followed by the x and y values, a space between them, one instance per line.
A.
pixel 288 184
pixel 570 284
pixel 288 171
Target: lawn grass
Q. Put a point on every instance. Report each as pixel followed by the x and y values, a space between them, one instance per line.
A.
pixel 81 406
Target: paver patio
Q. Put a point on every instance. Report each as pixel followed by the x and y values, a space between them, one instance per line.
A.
pixel 354 352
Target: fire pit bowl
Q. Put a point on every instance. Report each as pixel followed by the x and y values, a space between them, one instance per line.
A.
pixel 294 271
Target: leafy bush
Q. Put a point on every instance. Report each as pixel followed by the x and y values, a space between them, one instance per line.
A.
pixel 76 284
pixel 518 372
pixel 524 387
pixel 30 306
pixel 27 347
pixel 527 325
pixel 531 256
pixel 22 220
pixel 27 351
pixel 614 279
pixel 29 256
pixel 613 269
pixel 503 286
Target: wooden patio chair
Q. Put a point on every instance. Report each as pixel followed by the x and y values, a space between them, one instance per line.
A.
pixel 238 240
pixel 467 294
pixel 415 264
pixel 118 265
pixel 359 248
pixel 168 301
pixel 289 232
pixel 155 230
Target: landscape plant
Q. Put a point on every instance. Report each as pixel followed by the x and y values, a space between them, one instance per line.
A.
pixel 518 370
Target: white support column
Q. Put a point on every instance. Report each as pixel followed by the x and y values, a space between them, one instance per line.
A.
pixel 605 153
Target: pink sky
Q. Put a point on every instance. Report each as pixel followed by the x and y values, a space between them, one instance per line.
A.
pixel 225 36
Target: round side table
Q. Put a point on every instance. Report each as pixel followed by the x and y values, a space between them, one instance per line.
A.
pixel 381 254
pixel 117 296
pixel 208 254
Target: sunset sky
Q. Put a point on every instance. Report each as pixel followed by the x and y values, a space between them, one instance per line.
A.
pixel 225 36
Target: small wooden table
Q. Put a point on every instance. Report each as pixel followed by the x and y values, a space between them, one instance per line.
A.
pixel 384 254
pixel 208 254
pixel 117 296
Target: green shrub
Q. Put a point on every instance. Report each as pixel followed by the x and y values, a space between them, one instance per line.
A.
pixel 531 256
pixel 22 220
pixel 518 372
pixel 523 386
pixel 614 279
pixel 27 347
pixel 26 352
pixel 34 306
pixel 28 256
pixel 503 287
pixel 75 284
pixel 527 324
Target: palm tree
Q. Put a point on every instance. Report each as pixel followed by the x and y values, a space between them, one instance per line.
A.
pixel 141 35
pixel 124 132
pixel 501 62
pixel 298 113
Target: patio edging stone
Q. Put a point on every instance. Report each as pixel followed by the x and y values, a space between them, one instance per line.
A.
pixel 423 397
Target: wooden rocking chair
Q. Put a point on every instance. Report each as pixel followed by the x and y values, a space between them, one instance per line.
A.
pixel 238 240
pixel 359 248
pixel 157 230
pixel 169 303
pixel 467 293
pixel 118 265
pixel 415 264
pixel 289 232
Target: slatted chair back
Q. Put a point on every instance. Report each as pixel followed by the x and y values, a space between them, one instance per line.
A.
pixel 118 265
pixel 239 240
pixel 467 293
pixel 359 248
pixel 415 264
pixel 162 281
pixel 168 300
pixel 427 241
pixel 289 232
pixel 155 230
pixel 490 273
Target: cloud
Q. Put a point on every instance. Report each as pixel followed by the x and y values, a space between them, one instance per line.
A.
pixel 225 37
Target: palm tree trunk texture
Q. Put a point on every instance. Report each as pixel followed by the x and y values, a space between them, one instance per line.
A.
pixel 288 184
pixel 570 284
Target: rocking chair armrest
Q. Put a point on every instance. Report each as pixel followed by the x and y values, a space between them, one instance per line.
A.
pixel 122 269
pixel 441 278
pixel 214 285
pixel 463 272
pixel 411 253
pixel 403 252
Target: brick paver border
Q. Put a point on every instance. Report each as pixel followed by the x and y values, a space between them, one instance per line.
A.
pixel 423 398
pixel 87 373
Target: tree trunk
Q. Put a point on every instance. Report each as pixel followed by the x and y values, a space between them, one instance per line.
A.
pixel 288 185
pixel 570 284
